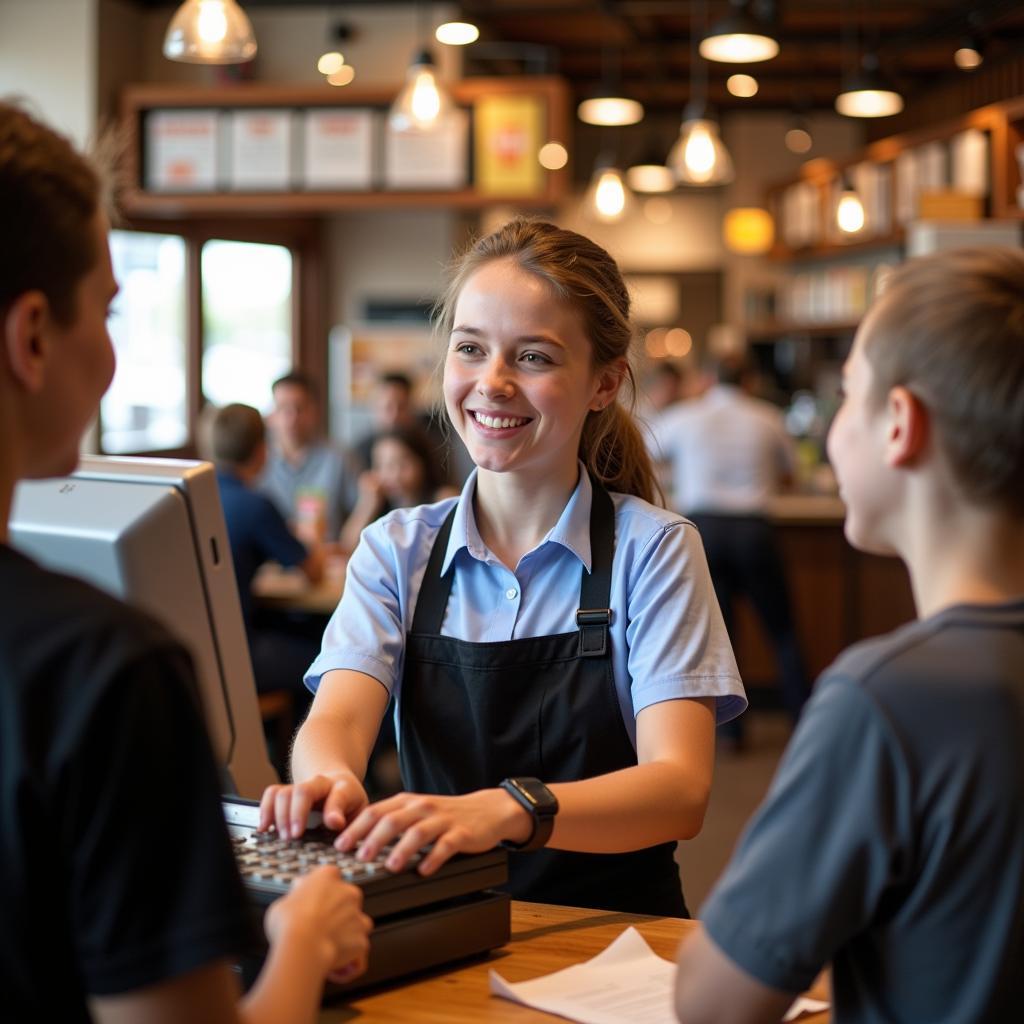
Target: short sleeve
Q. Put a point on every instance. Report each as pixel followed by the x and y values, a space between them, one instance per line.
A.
pixel 818 856
pixel 366 633
pixel 278 542
pixel 678 644
pixel 153 888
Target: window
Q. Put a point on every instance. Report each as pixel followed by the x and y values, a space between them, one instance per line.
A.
pixel 207 312
pixel 145 408
pixel 247 321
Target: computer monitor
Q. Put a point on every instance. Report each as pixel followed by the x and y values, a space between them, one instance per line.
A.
pixel 151 532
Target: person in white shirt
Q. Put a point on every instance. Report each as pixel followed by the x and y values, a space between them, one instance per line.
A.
pixel 729 453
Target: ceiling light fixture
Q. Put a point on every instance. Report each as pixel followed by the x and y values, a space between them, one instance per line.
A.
pixel 798 137
pixel 422 103
pixel 869 93
pixel 698 156
pixel 739 38
pixel 607 197
pixel 970 54
pixel 457 33
pixel 743 86
pixel 210 32
pixel 607 106
pixel 849 209
pixel 332 59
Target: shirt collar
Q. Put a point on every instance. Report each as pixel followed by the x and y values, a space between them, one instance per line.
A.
pixel 572 530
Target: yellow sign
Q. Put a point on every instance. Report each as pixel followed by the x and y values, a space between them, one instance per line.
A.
pixel 508 135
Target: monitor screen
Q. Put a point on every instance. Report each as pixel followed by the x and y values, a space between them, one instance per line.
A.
pixel 151 532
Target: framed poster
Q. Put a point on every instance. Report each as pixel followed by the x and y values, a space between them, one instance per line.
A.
pixel 434 160
pixel 338 148
pixel 507 135
pixel 261 149
pixel 181 151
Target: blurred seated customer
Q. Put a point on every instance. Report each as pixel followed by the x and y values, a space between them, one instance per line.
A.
pixel 730 454
pixel 312 481
pixel 394 407
pixel 664 385
pixel 401 475
pixel 258 533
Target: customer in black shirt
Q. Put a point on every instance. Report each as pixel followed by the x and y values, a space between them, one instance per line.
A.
pixel 120 899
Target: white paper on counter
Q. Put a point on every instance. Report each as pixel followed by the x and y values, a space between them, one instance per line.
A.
pixel 627 981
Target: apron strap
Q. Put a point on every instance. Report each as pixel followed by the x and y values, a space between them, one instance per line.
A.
pixel 432 599
pixel 594 614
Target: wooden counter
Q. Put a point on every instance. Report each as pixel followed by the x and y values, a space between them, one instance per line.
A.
pixel 544 939
pixel 839 595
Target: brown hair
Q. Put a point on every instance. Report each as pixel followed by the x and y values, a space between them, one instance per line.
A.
pixel 580 272
pixel 49 196
pixel 235 432
pixel 950 328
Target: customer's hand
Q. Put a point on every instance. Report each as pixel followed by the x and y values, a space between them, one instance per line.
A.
pixel 339 795
pixel 324 915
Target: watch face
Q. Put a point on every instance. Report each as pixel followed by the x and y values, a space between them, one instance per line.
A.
pixel 541 798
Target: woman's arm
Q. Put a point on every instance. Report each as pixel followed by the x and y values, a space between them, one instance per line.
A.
pixel 660 799
pixel 367 509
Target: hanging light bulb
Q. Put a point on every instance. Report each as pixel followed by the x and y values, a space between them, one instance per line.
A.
pixel 739 38
pixel 422 103
pixel 457 33
pixel 869 93
pixel 798 137
pixel 849 209
pixel 607 197
pixel 969 54
pixel 210 32
pixel 607 105
pixel 649 173
pixel 699 156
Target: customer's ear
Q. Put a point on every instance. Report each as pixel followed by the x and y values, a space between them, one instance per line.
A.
pixel 909 426
pixel 25 339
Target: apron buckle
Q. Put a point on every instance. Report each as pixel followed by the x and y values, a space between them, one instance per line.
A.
pixel 593 623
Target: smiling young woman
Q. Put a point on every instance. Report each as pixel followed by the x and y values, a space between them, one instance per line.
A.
pixel 550 637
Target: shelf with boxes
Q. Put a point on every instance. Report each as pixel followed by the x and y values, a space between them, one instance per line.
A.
pixel 277 150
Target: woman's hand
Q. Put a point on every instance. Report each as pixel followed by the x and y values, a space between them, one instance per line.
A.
pixel 453 824
pixel 325 914
pixel 340 795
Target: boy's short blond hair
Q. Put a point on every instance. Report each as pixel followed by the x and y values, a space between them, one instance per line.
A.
pixel 950 328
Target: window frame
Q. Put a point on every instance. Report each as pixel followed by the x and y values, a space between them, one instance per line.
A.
pixel 304 239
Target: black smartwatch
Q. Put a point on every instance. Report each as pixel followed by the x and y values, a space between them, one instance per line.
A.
pixel 542 805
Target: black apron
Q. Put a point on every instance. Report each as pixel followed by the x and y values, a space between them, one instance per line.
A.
pixel 546 707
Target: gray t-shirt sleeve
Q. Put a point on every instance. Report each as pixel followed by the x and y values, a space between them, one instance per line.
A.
pixel 818 856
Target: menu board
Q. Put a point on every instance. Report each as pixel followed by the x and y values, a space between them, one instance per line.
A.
pixel 181 151
pixel 261 149
pixel 338 151
pixel 438 159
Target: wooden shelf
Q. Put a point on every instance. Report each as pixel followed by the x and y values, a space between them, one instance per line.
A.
pixel 772 330
pixel 137 100
pixel 839 249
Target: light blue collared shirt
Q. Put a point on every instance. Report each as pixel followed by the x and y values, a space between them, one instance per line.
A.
pixel 667 636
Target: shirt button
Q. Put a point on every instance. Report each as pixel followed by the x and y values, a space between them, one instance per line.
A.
pixel 511 593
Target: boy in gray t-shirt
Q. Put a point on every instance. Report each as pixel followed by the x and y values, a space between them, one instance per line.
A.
pixel 891 843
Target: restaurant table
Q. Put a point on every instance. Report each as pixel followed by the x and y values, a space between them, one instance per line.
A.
pixel 288 590
pixel 544 939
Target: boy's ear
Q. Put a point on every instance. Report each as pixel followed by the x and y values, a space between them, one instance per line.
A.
pixel 24 339
pixel 908 427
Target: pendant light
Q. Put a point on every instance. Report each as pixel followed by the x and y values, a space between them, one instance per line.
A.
pixel 210 32
pixel 422 104
pixel 739 38
pixel 849 209
pixel 457 33
pixel 607 198
pixel 869 93
pixel 698 156
pixel 649 174
pixel 607 106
